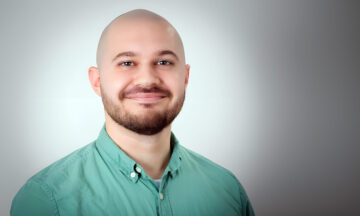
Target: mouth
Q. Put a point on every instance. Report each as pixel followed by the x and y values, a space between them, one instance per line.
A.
pixel 146 98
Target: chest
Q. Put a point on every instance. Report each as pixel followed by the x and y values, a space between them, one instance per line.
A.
pixel 174 197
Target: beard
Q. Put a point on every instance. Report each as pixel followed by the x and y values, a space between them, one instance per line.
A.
pixel 149 123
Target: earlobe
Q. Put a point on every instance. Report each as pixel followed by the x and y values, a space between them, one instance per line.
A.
pixel 94 78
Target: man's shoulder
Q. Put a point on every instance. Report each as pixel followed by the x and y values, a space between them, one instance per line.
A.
pixel 36 196
pixel 205 173
pixel 204 164
pixel 206 170
pixel 64 167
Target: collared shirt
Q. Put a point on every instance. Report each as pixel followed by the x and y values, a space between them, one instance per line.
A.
pixel 100 179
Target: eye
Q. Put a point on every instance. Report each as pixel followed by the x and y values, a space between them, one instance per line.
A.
pixel 164 62
pixel 128 63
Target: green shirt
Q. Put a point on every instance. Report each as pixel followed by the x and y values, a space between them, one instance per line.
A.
pixel 100 179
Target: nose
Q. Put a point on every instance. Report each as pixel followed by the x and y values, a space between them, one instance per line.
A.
pixel 146 77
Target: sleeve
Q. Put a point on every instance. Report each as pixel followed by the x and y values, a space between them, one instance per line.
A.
pixel 246 207
pixel 34 198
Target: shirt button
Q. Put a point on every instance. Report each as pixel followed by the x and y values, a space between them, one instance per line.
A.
pixel 132 175
pixel 138 169
pixel 161 196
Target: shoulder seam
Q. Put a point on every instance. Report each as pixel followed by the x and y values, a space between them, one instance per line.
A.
pixel 82 156
pixel 49 192
pixel 65 161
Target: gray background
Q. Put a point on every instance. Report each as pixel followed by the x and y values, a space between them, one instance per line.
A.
pixel 273 93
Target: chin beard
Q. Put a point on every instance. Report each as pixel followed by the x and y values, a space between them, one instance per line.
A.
pixel 145 124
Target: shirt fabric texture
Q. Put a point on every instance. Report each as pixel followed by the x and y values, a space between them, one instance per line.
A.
pixel 99 179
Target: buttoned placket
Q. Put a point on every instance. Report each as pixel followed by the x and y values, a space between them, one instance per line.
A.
pixel 136 174
pixel 162 201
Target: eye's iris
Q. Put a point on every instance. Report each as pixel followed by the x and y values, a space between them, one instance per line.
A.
pixel 127 63
pixel 163 63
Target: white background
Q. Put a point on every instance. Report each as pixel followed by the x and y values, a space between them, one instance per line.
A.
pixel 273 93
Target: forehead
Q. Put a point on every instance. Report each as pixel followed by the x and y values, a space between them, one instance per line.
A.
pixel 141 36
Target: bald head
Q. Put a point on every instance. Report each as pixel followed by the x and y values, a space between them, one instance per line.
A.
pixel 138 19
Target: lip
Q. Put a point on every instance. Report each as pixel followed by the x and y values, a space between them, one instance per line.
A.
pixel 146 98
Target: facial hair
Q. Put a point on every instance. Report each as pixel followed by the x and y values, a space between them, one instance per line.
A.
pixel 150 124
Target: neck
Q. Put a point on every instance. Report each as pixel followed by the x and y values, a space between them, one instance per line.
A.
pixel 152 152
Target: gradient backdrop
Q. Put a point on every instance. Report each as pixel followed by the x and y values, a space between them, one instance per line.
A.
pixel 273 93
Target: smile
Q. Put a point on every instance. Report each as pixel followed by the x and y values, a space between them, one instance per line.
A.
pixel 146 98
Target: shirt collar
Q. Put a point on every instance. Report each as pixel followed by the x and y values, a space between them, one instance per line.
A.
pixel 112 153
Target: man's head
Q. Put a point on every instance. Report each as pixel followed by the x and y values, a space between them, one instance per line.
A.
pixel 141 73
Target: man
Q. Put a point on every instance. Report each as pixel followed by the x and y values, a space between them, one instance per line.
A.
pixel 136 166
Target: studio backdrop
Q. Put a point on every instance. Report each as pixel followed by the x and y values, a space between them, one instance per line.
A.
pixel 273 93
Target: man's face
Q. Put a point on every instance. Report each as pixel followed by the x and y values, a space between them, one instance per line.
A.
pixel 143 76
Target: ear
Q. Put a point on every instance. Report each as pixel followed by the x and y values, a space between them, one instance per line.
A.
pixel 94 78
pixel 187 74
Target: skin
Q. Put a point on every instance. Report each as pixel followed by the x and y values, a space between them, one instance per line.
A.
pixel 145 34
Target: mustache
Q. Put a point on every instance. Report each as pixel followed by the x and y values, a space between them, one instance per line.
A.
pixel 153 89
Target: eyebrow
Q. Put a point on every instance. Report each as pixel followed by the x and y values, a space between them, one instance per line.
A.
pixel 132 54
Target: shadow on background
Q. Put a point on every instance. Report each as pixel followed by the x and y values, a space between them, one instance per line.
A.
pixel 276 83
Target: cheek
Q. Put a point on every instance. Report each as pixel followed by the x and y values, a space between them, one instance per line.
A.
pixel 113 86
pixel 176 84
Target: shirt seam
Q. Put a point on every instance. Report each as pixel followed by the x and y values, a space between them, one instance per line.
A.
pixel 49 193
pixel 41 179
pixel 82 156
pixel 74 156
